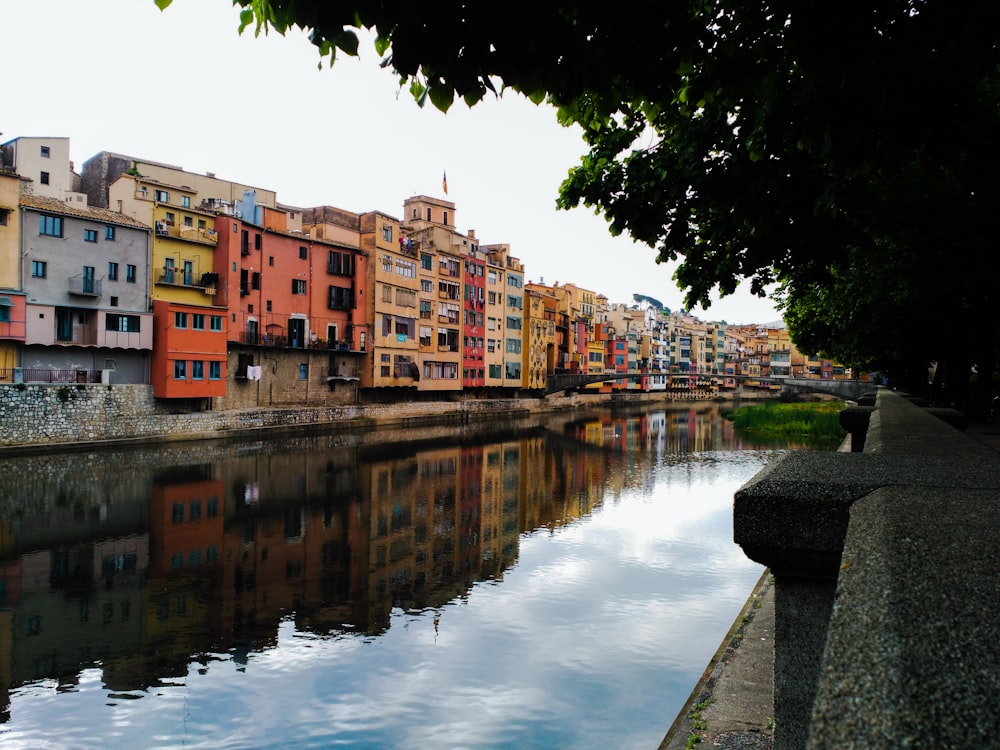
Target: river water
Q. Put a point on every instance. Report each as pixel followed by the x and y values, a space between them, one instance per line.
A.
pixel 555 582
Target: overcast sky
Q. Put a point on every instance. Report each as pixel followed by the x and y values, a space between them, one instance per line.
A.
pixel 183 87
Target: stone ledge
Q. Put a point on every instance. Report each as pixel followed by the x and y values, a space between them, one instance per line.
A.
pixel 911 657
pixel 893 555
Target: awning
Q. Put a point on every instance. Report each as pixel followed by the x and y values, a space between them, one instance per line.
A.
pixel 6 302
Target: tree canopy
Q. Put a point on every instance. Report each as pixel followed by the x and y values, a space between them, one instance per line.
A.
pixel 846 151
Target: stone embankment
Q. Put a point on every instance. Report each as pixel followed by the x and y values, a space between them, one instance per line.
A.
pixel 53 417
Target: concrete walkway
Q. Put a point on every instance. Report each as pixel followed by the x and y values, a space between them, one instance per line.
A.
pixel 732 706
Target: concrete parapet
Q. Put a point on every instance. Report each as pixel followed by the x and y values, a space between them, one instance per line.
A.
pixel 885 566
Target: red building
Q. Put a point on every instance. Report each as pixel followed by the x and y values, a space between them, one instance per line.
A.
pixel 473 322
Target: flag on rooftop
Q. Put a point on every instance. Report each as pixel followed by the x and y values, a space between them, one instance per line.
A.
pixel 444 182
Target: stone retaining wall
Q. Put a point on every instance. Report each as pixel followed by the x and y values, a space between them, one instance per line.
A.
pixel 50 415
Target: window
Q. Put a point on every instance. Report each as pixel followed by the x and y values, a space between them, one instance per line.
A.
pixel 109 233
pixel 340 264
pixel 270 261
pixel 197 370
pixel 185 201
pixel 114 301
pixel 180 369
pixel 130 273
pixel 406 268
pixel 90 235
pixel 449 267
pixel 387 232
pixel 38 269
pixel 112 271
pixel 257 241
pixel 215 322
pixel 45 152
pixel 198 321
pixel 188 222
pixel 50 226
pixel 121 323
pixel 180 320
pixel 340 298
pixel 44 178
pixel 426 262
pixel 214 370
pixel 298 286
pixel 303 372
pixel 161 196
pixel 169 218
pixel 303 252
pixel 4 314
pixel 448 311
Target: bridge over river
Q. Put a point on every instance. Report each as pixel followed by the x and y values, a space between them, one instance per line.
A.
pixel 849 390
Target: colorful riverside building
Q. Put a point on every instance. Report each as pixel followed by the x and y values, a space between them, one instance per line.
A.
pixel 471 302
pixel 84 276
pixel 540 311
pixel 451 312
pixel 73 278
pixel 474 320
pixel 189 359
pixel 505 305
pixel 12 299
pixel 293 335
pixel 391 305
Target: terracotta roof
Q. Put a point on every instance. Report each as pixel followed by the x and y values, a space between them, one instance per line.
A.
pixel 103 215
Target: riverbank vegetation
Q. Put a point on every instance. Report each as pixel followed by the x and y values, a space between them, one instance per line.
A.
pixel 815 419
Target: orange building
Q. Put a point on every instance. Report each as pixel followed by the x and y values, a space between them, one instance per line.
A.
pixel 189 359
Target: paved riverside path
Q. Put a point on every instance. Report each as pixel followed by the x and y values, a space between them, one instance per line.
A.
pixel 738 685
pixel 732 706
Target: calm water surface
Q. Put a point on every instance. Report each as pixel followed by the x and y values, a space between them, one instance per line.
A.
pixel 545 585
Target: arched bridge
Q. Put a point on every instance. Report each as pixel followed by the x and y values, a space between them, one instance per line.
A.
pixel 849 390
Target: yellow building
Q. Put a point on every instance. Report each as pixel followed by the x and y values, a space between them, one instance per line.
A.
pixel 509 300
pixel 12 302
pixel 540 339
pixel 392 359
pixel 184 237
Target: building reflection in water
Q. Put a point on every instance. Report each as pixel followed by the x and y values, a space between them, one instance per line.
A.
pixel 144 562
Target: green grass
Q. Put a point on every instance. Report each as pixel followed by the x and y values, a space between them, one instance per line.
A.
pixel 815 419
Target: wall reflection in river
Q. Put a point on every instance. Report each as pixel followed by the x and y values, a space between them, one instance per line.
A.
pixel 556 582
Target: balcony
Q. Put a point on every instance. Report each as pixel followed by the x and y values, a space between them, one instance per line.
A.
pixel 83 286
pixel 191 234
pixel 282 341
pixel 207 282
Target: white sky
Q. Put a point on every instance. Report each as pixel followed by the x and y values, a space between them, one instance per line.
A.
pixel 184 88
